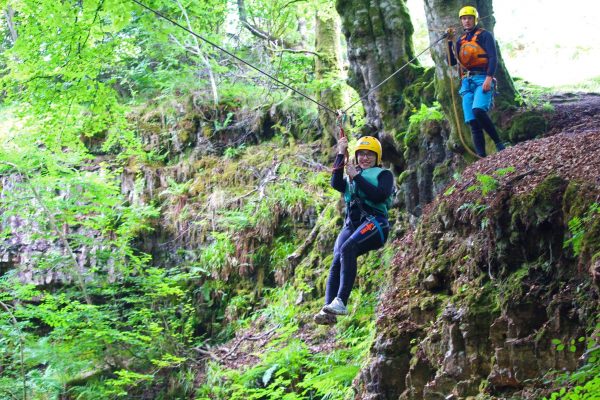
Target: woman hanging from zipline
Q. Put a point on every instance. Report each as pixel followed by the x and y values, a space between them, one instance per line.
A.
pixel 368 192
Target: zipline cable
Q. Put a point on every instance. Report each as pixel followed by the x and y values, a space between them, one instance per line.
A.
pixel 392 75
pixel 159 14
pixel 232 55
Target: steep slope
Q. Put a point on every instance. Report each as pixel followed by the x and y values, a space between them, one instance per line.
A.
pixel 476 299
pixel 501 272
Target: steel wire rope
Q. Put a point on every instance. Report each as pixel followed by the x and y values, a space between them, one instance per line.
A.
pixel 393 74
pixel 159 14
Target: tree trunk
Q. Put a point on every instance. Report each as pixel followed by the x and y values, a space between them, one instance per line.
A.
pixel 328 67
pixel 379 36
pixel 442 14
pixel 9 13
pixel 378 33
pixel 205 61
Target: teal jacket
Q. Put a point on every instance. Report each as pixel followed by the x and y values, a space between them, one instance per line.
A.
pixel 373 190
pixel 353 191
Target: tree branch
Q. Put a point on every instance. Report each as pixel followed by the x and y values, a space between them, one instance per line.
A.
pixel 297 51
pixel 9 13
pixel 299 253
pixel 203 58
pixel 257 31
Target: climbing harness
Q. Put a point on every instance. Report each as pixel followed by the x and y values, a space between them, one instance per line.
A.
pixel 373 223
pixel 373 220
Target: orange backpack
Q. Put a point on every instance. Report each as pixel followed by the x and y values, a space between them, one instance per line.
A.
pixel 471 54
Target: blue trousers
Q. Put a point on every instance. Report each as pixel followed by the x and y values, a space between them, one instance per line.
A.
pixel 473 96
pixel 351 243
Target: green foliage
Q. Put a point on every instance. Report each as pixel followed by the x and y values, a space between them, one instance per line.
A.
pixel 583 384
pixel 218 254
pixel 487 183
pixel 138 324
pixel 420 116
pixel 532 96
pixel 578 227
pixel 475 207
pixel 111 324
pixel 222 125
pixel 234 152
pixel 425 113
pixel 450 190
pixel 123 322
pixel 288 369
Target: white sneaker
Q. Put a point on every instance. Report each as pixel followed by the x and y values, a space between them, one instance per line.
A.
pixel 323 318
pixel 336 307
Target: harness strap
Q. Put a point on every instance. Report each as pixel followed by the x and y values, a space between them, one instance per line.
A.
pixel 379 228
pixel 369 217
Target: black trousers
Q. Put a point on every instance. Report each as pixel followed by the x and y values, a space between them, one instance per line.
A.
pixel 351 243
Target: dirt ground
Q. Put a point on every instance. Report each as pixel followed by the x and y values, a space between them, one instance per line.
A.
pixel 575 113
pixel 570 148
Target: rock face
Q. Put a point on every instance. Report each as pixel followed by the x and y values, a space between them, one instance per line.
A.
pixel 429 165
pixel 37 257
pixel 485 286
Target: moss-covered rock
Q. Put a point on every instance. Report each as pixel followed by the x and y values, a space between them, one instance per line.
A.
pixel 527 125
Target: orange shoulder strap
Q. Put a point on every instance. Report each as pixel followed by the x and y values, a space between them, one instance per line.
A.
pixel 476 35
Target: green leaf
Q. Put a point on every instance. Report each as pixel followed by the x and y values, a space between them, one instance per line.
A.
pixel 266 378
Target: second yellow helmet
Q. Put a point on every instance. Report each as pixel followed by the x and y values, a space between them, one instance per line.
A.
pixel 369 143
pixel 469 10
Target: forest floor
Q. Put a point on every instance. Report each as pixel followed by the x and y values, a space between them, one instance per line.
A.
pixel 570 148
pixel 574 113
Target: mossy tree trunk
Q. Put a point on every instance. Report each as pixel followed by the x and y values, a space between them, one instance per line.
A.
pixel 378 34
pixel 442 14
pixel 328 67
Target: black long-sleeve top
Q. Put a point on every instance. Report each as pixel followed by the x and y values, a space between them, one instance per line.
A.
pixel 376 194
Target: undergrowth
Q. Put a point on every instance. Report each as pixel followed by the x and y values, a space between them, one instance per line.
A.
pixel 289 367
pixel 584 383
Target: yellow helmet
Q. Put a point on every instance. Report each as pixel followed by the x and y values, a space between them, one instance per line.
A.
pixel 469 10
pixel 369 143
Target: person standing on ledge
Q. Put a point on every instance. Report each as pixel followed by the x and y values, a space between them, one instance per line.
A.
pixel 476 56
pixel 368 192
